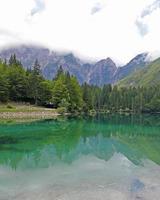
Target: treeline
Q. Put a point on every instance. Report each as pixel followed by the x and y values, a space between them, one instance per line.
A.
pixel 20 85
pixel 64 91
pixel 127 99
pixel 17 84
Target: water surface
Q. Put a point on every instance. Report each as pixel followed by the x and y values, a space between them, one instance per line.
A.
pixel 105 157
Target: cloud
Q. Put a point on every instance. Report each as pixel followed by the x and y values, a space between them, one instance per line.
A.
pixel 92 29
pixel 6 33
pixel 141 22
pixel 9 34
pixel 142 28
pixel 97 8
pixel 39 7
pixel 153 55
pixel 151 8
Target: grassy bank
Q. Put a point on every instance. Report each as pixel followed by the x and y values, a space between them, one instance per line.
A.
pixel 24 111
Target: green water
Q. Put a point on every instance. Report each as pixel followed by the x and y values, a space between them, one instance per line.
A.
pixel 81 158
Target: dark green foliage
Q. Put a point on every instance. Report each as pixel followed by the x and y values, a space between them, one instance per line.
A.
pixel 34 83
pixel 67 92
pixel 13 61
pixel 4 85
pixel 37 68
pixel 116 99
pixel 87 97
pixel 39 90
pixel 4 92
pixel 46 92
pixel 17 83
pixel 60 91
pixel 64 91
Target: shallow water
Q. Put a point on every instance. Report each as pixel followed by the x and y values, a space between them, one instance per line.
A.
pixel 108 157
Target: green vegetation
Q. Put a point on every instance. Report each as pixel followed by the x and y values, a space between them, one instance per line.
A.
pixel 66 95
pixel 29 86
pixel 146 77
pixel 67 92
pixel 121 99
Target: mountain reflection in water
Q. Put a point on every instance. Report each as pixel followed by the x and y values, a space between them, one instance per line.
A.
pixel 81 158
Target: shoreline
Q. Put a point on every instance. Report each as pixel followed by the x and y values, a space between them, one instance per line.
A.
pixel 29 115
pixel 38 113
pixel 13 111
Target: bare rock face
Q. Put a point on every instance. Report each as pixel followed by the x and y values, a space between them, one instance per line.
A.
pixel 103 72
pixel 135 64
pixel 49 60
pixel 100 73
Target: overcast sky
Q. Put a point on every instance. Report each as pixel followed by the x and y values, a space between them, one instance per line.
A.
pixel 92 29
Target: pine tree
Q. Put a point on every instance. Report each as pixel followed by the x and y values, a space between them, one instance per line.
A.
pixel 13 61
pixel 87 97
pixel 34 81
pixel 60 92
pixel 60 72
pixel 4 89
pixel 37 68
pixel 17 83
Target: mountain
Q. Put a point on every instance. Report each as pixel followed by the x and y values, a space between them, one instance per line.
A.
pixel 138 62
pixel 94 73
pixel 102 72
pixel 49 60
pixel 148 76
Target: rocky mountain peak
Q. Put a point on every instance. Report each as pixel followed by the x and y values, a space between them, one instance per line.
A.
pixel 106 62
pixel 102 72
pixel 139 59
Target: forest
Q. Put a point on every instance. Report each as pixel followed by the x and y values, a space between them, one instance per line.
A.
pixel 64 91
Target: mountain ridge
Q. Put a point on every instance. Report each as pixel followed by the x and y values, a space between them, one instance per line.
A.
pixel 98 73
pixel 148 76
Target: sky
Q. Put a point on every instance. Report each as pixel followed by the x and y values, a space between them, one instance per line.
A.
pixel 91 29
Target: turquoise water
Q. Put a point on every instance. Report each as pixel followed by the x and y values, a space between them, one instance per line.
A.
pixel 103 157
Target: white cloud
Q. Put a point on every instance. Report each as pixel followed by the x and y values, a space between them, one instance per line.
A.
pixel 97 8
pixel 72 25
pixel 154 55
pixel 151 8
pixel 142 21
pixel 142 27
pixel 39 7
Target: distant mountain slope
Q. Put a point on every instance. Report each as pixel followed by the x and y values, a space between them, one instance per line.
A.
pixel 135 64
pixel 94 73
pixel 99 73
pixel 148 76
pixel 103 72
pixel 49 60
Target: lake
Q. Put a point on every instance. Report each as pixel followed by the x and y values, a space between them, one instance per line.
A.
pixel 106 157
